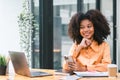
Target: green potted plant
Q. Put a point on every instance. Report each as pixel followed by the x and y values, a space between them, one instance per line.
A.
pixel 3 65
pixel 26 24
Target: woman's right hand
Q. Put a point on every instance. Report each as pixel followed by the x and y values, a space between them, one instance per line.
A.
pixel 75 66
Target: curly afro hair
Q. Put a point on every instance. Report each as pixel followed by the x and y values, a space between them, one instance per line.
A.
pixel 101 26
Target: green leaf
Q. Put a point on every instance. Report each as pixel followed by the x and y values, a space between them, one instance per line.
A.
pixel 3 61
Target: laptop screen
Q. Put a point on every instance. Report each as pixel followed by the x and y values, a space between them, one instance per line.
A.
pixel 21 66
pixel 20 63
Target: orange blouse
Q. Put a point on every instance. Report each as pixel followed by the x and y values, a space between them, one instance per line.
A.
pixel 95 57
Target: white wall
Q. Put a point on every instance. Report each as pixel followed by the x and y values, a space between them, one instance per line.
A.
pixel 9 36
pixel 118 34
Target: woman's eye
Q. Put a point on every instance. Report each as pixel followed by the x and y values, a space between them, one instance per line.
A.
pixel 89 26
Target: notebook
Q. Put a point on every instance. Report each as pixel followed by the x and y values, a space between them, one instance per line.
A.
pixel 91 74
pixel 21 67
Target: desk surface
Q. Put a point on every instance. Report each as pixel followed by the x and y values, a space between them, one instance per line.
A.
pixel 53 77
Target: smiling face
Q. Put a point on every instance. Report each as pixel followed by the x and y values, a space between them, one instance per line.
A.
pixel 86 29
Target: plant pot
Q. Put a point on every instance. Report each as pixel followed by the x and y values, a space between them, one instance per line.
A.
pixel 2 70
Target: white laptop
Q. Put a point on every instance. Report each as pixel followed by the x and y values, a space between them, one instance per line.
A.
pixel 21 66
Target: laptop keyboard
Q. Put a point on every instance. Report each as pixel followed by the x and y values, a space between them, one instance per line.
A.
pixel 39 73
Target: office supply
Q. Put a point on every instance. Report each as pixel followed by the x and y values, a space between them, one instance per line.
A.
pixel 21 66
pixel 69 77
pixel 91 74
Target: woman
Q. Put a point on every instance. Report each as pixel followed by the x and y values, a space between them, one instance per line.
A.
pixel 89 51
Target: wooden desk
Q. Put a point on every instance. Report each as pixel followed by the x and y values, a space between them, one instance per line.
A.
pixel 53 77
pixel 20 77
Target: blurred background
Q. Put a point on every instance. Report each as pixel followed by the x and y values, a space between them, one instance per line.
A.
pixel 48 41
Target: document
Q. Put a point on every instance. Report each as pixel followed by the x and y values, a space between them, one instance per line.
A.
pixel 70 77
pixel 91 74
